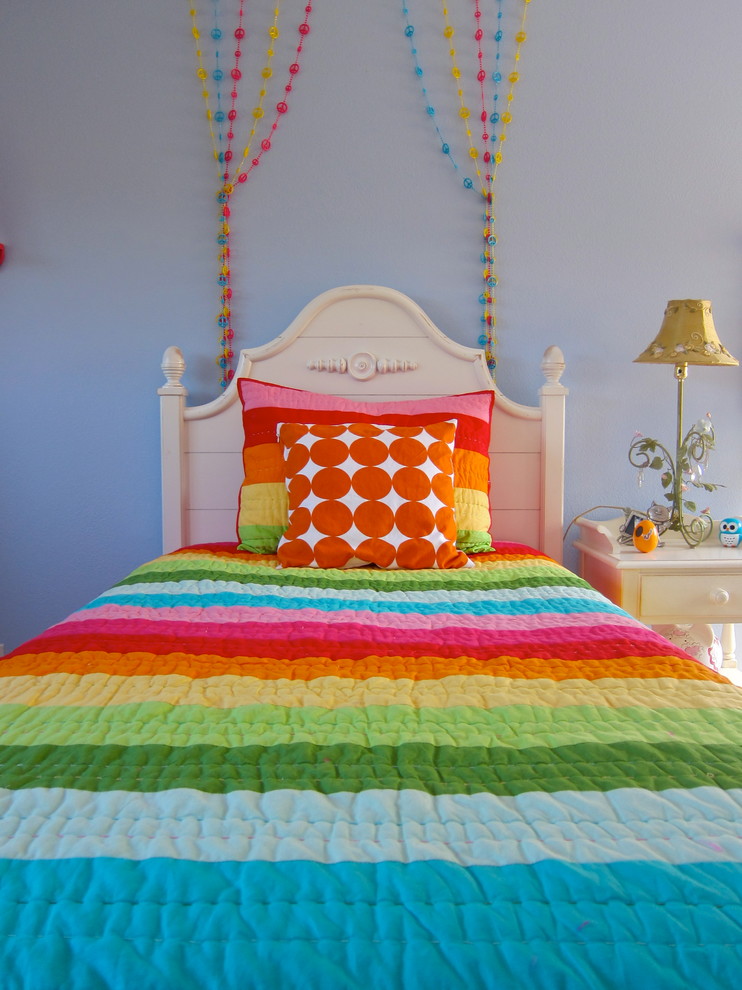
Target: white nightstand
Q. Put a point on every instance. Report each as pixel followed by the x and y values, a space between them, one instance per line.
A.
pixel 673 584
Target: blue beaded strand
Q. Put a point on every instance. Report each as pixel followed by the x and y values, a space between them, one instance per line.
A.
pixel 218 75
pixel 409 31
pixel 496 79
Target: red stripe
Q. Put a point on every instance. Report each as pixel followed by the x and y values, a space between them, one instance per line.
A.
pixel 472 432
pixel 126 637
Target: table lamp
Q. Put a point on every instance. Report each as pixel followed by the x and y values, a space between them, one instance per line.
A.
pixel 687 336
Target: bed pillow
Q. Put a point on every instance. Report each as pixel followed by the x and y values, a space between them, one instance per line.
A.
pixel 366 494
pixel 263 502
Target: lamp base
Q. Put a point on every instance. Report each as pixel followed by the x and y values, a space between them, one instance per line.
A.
pixel 695 530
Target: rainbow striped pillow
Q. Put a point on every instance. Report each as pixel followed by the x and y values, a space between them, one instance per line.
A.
pixel 262 516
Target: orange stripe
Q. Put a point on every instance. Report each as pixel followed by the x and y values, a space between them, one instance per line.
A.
pixel 470 469
pixel 420 668
pixel 263 464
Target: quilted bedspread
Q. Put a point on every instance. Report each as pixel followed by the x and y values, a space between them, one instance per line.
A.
pixel 221 774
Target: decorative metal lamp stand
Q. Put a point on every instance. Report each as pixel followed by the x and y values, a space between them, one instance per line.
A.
pixel 687 336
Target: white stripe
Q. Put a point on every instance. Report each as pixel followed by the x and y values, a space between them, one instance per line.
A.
pixel 675 826
pixel 353 595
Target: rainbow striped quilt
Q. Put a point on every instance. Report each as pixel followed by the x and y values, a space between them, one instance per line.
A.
pixel 221 774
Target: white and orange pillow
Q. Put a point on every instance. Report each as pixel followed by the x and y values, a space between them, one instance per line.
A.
pixel 360 493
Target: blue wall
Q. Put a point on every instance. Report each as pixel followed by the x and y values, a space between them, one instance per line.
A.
pixel 620 189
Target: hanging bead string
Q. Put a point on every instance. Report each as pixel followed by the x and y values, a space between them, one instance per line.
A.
pixel 429 108
pixel 224 279
pixel 217 75
pixel 489 273
pixel 235 75
pixel 222 158
pixel 265 74
pixel 230 179
pixel 492 139
pixel 481 78
pixel 203 75
pixel 464 112
pixel 496 75
pixel 487 299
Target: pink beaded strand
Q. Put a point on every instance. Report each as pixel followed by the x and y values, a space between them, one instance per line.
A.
pixel 225 359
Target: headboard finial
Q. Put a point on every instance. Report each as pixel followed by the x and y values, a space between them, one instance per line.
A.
pixel 552 365
pixel 173 367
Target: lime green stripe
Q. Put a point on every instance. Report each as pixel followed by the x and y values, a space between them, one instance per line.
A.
pixel 488 575
pixel 331 769
pixel 517 726
pixel 260 539
pixel 473 540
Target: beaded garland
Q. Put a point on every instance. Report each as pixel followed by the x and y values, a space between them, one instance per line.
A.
pixel 229 177
pixel 490 81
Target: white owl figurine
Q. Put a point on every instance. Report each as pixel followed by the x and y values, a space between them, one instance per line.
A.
pixel 730 532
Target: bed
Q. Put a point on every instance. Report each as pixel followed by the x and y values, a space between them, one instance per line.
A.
pixel 232 771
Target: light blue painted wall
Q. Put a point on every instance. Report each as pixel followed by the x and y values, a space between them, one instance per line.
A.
pixel 620 189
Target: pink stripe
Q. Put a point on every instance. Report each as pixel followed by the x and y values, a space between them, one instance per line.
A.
pixel 586 622
pixel 257 395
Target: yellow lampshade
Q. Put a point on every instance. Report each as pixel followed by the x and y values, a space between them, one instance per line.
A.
pixel 687 336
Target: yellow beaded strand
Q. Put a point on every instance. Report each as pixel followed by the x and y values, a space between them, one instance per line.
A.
pixel 203 75
pixel 464 111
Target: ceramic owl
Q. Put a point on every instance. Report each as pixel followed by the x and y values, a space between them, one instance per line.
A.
pixel 730 532
pixel 645 536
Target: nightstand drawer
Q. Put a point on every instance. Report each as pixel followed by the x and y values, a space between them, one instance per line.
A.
pixel 692 596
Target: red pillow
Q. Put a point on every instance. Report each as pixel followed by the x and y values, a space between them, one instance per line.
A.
pixel 263 502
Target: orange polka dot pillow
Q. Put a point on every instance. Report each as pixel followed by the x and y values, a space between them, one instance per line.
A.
pixel 360 493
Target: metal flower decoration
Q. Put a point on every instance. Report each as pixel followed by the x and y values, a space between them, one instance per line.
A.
pixel 678 474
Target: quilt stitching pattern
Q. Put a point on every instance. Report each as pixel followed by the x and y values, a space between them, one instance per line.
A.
pixel 328 778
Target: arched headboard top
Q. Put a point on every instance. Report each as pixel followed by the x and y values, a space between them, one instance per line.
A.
pixel 362 342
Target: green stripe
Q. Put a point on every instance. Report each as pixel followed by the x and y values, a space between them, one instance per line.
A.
pixel 515 574
pixel 330 769
pixel 473 540
pixel 518 726
pixel 260 539
pixel 257 538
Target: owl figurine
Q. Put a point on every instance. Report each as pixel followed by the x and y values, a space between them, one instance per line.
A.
pixel 645 536
pixel 730 532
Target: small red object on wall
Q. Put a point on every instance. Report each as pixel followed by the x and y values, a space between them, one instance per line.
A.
pixel 2 253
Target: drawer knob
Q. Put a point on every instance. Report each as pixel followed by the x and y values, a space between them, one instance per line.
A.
pixel 720 596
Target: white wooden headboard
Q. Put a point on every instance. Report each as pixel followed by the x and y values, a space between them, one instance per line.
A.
pixel 373 343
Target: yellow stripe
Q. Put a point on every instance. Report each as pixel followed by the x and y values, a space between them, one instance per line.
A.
pixel 264 505
pixel 330 692
pixel 472 509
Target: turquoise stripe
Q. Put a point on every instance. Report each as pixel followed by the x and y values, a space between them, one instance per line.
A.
pixel 420 926
pixel 487 606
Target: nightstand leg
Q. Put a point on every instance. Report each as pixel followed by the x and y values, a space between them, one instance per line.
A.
pixel 728 645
